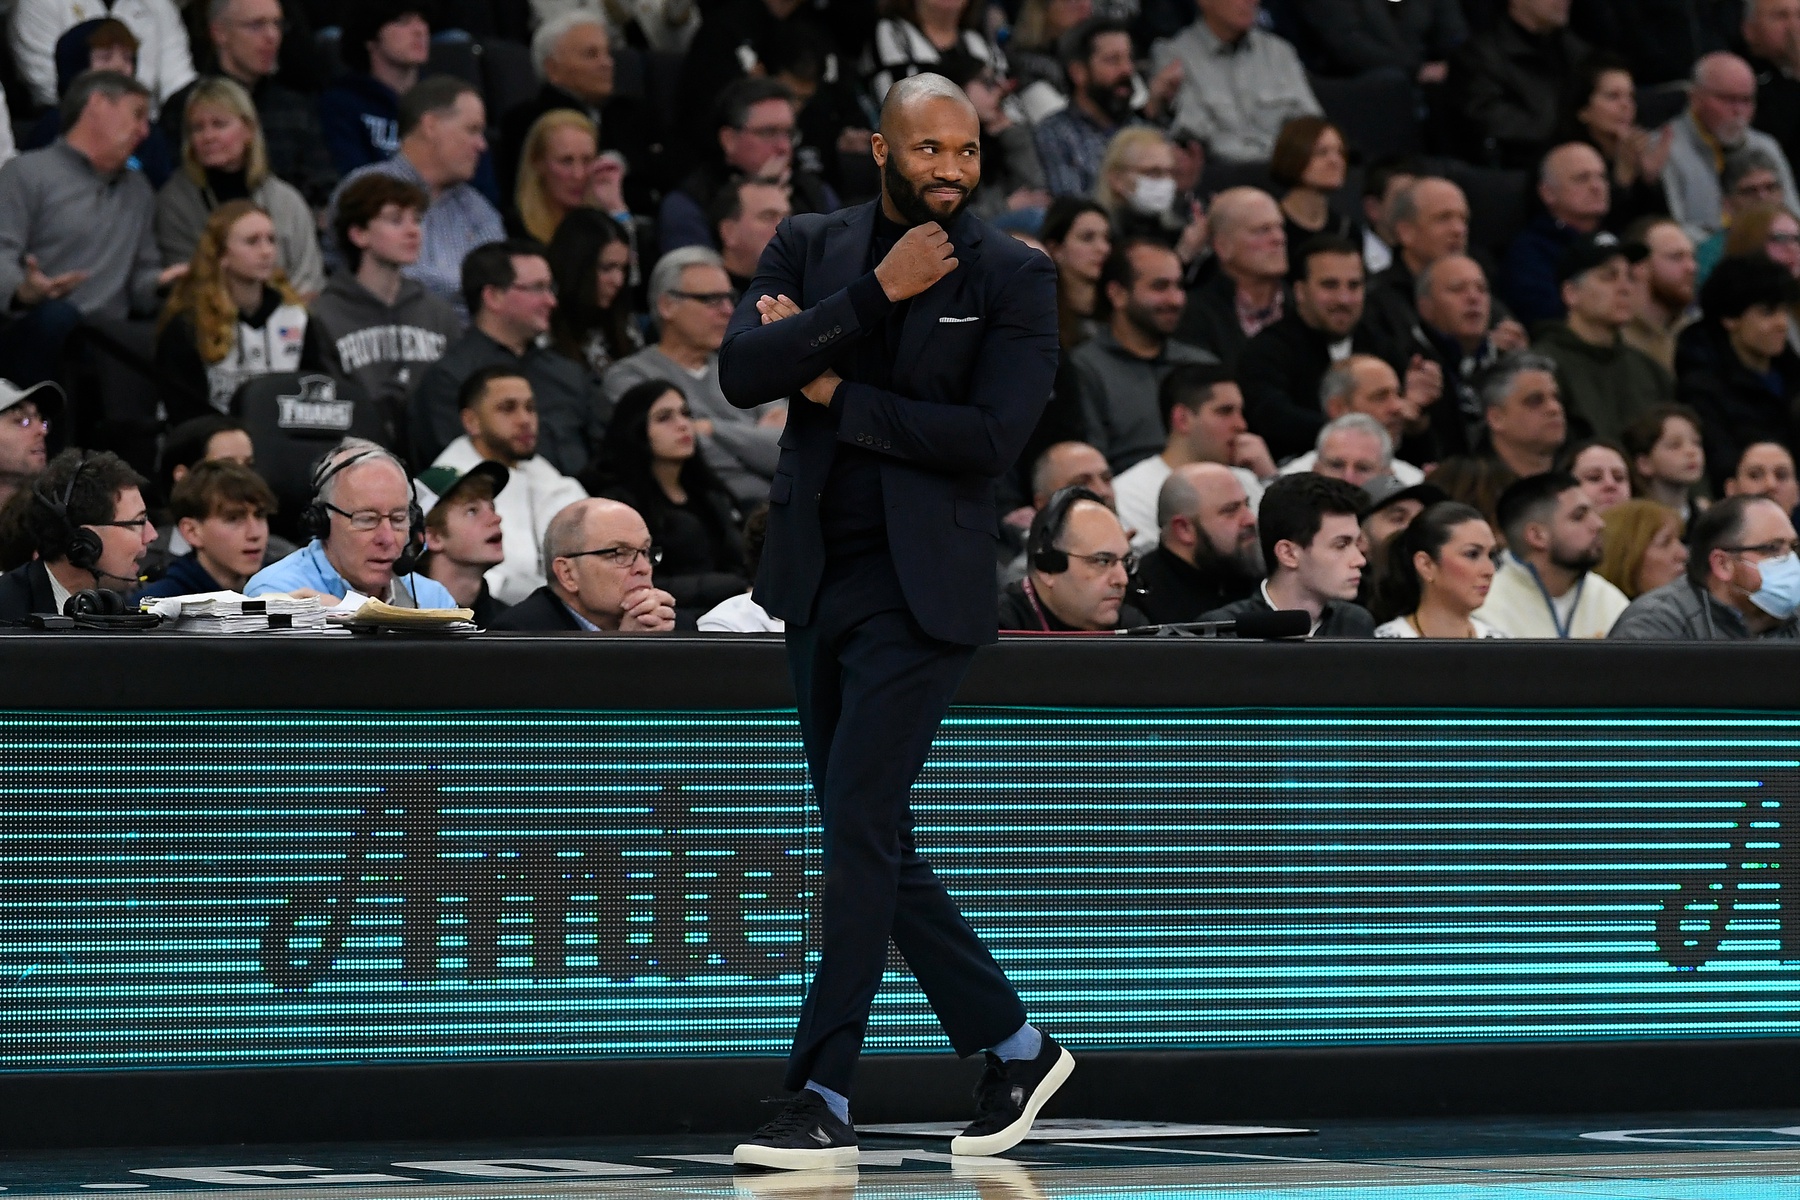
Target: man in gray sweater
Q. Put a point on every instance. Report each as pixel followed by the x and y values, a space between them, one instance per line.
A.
pixel 1742 580
pixel 76 227
pixel 691 295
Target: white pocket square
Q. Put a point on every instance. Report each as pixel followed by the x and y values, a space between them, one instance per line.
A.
pixel 956 320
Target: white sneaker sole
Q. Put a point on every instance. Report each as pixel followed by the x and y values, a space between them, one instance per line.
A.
pixel 1012 1135
pixel 781 1158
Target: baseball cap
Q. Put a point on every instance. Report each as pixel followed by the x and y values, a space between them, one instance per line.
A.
pixel 12 394
pixel 1385 490
pixel 435 484
pixel 1585 253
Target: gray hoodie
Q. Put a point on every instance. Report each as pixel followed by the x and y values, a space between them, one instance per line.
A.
pixel 382 348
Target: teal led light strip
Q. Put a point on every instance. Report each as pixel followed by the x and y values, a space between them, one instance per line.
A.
pixel 240 889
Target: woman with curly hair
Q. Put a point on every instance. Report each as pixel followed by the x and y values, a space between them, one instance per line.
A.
pixel 232 317
pixel 650 459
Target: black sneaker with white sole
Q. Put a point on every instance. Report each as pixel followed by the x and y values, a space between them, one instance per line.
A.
pixel 1009 1097
pixel 804 1136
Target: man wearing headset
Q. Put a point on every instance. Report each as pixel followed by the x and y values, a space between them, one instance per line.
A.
pixel 367 530
pixel 1080 567
pixel 89 526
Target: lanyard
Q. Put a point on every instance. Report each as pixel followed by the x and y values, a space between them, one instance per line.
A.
pixel 1031 595
pixel 1556 622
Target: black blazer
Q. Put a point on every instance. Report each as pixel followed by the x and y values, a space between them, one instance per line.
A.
pixel 976 361
pixel 540 612
pixel 25 590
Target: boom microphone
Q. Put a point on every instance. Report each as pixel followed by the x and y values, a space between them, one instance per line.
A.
pixel 1271 625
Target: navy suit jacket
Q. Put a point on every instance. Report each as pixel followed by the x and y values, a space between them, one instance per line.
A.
pixel 976 362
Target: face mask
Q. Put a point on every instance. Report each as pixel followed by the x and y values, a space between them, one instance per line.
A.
pixel 1152 197
pixel 1779 595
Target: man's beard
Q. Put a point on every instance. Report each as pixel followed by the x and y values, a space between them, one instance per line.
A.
pixel 1113 101
pixel 910 203
pixel 1669 297
pixel 1246 563
pixel 1582 562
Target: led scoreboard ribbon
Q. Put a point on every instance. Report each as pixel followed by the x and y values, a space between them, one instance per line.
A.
pixel 251 889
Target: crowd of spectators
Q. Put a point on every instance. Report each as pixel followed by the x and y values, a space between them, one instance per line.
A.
pixel 1444 318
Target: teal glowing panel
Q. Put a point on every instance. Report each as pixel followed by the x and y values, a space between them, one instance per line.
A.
pixel 252 889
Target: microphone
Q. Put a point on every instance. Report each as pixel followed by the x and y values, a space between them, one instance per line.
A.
pixel 1271 625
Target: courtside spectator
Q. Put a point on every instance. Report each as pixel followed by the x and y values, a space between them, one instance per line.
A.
pixel 1139 192
pixel 1281 368
pixel 443 131
pixel 1078 237
pixel 573 56
pixel 650 460
pixel 1455 330
pixel 500 425
pixel 1605 383
pixel 1383 181
pixel 1311 536
pixel 1601 467
pixel 691 295
pixel 1060 465
pixel 164 61
pixel 464 534
pixel 1606 119
pixel 1721 106
pixel 1079 573
pixel 1644 549
pixel 1207 555
pixel 1664 293
pixel 1735 365
pixel 562 170
pixel 1512 84
pixel 1115 374
pixel 233 317
pixel 744 216
pixel 1766 469
pixel 601 562
pixel 1309 164
pixel 101 44
pixel 52 201
pixel 89 529
pixel 1771 33
pixel 741 613
pixel 1431 221
pixel 1435 575
pixel 1391 509
pixel 221 510
pixel 507 286
pixel 25 417
pixel 246 38
pixel 1742 580
pixel 1413 40
pixel 1203 411
pixel 384 44
pixel 375 327
pixel 751 37
pixel 223 159
pixel 1572 183
pixel 1248 292
pixel 1240 84
pixel 1667 458
pixel 1354 448
pixel 1072 142
pixel 590 262
pixel 210 437
pixel 1546 587
pixel 362 526
pixel 1361 385
pixel 1525 428
pixel 1749 184
pixel 754 136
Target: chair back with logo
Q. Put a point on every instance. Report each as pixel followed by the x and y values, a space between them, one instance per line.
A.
pixel 293 419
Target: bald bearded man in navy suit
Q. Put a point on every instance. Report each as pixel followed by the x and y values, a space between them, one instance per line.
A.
pixel 917 347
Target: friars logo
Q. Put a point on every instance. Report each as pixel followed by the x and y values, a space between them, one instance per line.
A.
pixel 316 409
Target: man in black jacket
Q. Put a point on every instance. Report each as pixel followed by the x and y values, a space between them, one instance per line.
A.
pixel 600 562
pixel 1512 84
pixel 1311 542
pixel 89 526
pixel 1080 570
pixel 1209 554
pixel 1248 292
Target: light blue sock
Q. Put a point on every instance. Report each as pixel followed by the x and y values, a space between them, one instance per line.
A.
pixel 1027 1043
pixel 840 1105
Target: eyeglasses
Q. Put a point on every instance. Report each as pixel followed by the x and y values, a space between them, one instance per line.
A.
pixel 1105 561
pixel 711 299
pixel 26 421
pixel 1784 239
pixel 622 557
pixel 134 523
pixel 545 288
pixel 368 519
pixel 1774 549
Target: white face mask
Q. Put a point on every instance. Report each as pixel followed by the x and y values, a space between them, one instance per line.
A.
pixel 1152 197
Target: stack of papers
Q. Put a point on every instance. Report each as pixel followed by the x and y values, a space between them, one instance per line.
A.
pixel 364 613
pixel 230 612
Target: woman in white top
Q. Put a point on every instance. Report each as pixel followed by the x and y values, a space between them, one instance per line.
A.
pixel 1436 573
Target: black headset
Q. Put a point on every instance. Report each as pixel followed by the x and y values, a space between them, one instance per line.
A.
pixel 1041 549
pixel 78 544
pixel 315 518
